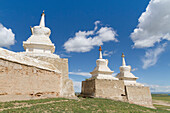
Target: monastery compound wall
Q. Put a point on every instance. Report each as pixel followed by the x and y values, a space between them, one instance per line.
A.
pixel 116 90
pixel 100 88
pixel 38 73
pixel 139 95
pixel 32 79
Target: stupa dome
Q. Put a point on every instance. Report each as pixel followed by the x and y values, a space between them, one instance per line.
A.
pixel 39 30
pixel 125 68
pixel 103 62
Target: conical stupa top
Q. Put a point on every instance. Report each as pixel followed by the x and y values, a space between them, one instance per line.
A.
pixel 39 41
pixel 123 60
pixel 42 22
pixel 102 71
pixel 100 50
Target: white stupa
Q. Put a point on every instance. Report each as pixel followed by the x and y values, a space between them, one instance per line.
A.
pixel 126 75
pixel 39 41
pixel 102 70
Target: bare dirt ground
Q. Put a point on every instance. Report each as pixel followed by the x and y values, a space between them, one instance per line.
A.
pixel 160 102
pixel 163 103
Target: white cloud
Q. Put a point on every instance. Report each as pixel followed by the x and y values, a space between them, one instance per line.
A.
pixel 158 88
pixel 64 55
pixel 134 69
pixel 86 74
pixel 84 41
pixel 96 23
pixel 79 70
pixel 107 53
pixel 151 56
pixel 114 74
pixel 7 37
pixel 77 86
pixel 154 24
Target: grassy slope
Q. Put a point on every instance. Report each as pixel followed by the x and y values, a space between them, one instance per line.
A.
pixel 87 105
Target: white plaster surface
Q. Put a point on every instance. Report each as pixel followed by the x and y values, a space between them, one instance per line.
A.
pixel 39 41
pixel 102 71
pixel 126 75
pixel 19 58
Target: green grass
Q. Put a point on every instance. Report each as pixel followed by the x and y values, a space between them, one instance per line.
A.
pixel 162 107
pixel 82 105
pixel 161 97
pixel 27 102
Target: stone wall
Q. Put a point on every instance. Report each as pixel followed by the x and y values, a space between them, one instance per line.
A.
pixel 20 79
pixel 62 65
pixel 139 95
pixel 88 88
pixel 103 88
pixel 115 89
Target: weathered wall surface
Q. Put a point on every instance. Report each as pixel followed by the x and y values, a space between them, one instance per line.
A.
pixel 103 88
pixel 113 89
pixel 88 88
pixel 20 79
pixel 62 65
pixel 139 95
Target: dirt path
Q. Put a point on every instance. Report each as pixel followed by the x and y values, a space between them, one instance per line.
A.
pixel 160 102
pixel 29 105
pixel 163 103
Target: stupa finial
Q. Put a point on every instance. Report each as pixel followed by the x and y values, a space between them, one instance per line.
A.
pixel 123 60
pixel 42 22
pixel 100 48
pixel 43 13
pixel 100 55
pixel 123 55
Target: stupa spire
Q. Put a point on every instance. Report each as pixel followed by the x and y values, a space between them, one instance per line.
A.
pixel 42 22
pixel 123 60
pixel 100 50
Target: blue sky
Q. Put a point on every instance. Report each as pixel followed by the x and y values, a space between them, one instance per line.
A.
pixel 146 49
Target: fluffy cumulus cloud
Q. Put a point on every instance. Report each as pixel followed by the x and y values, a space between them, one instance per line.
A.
pixel 84 41
pixel 151 56
pixel 7 37
pixel 154 24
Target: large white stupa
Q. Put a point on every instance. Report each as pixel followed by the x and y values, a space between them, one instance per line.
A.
pixel 102 71
pixel 39 41
pixel 126 75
